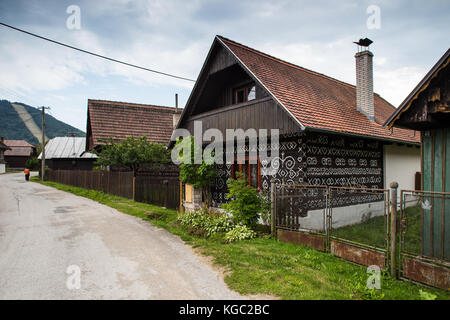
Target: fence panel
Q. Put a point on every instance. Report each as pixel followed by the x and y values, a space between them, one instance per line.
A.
pixel 351 223
pixel 158 190
pixel 162 188
pixel 424 247
pixel 300 215
pixel 359 225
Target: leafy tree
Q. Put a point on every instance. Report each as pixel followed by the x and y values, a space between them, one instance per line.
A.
pixel 134 154
pixel 199 175
pixel 245 202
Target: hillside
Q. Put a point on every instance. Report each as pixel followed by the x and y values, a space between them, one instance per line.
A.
pixel 12 126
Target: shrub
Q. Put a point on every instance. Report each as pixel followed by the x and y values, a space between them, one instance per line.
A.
pixel 239 232
pixel 32 164
pixel 205 223
pixel 245 203
pixel 265 207
pixel 218 225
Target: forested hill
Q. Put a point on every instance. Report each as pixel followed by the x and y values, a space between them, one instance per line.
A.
pixel 20 127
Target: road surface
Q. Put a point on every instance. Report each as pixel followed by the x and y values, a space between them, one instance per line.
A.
pixel 55 245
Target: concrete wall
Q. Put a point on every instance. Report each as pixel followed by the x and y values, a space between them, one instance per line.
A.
pixel 400 165
pixel 343 216
pixel 2 168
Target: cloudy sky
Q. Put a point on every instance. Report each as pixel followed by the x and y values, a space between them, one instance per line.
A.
pixel 175 36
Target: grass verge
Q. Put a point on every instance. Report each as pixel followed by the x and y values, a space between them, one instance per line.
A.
pixel 268 266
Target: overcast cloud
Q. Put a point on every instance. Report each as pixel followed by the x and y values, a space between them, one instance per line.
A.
pixel 175 36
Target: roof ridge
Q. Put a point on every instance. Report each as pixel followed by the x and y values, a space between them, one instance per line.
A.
pixel 286 62
pixel 130 103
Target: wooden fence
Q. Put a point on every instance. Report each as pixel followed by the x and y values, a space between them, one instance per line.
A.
pixel 162 188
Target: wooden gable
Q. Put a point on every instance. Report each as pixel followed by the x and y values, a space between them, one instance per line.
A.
pixel 211 100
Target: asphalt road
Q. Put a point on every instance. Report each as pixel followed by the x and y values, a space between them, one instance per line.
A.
pixel 55 245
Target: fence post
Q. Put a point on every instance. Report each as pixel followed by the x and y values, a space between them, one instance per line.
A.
pixel 394 186
pixel 272 208
pixel 134 187
pixel 166 198
pixel 118 184
pixel 181 197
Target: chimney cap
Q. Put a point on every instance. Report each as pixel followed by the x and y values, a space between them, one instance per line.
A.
pixel 364 42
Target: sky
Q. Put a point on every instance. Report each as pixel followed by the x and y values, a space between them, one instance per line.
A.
pixel 174 36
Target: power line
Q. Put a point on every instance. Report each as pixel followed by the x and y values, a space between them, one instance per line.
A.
pixel 95 54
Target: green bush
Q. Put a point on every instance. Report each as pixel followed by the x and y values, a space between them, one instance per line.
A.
pixel 245 202
pixel 205 223
pixel 32 164
pixel 239 232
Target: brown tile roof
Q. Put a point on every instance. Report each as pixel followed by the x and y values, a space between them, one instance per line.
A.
pixel 18 148
pixel 316 100
pixel 121 119
pixel 17 143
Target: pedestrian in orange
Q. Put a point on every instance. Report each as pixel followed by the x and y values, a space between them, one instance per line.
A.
pixel 27 174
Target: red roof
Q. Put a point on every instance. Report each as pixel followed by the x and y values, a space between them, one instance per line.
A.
pixel 18 148
pixel 119 120
pixel 316 100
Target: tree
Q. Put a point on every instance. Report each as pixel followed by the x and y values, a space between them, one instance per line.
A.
pixel 134 154
pixel 199 175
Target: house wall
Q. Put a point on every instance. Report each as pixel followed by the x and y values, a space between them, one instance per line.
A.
pixel 16 162
pixel 321 159
pixel 245 116
pixel 401 164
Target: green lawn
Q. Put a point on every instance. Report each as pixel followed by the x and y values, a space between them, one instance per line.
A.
pixel 372 232
pixel 268 266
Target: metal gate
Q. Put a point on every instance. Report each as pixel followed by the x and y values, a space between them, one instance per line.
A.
pixel 351 223
pixel 424 246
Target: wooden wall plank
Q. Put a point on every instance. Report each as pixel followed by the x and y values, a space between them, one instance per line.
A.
pixel 427 147
pixel 437 187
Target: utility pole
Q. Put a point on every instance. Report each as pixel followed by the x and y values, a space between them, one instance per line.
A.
pixel 43 143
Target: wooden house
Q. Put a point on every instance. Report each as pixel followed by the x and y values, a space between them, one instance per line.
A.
pixel 19 153
pixel 68 153
pixel 331 132
pixel 427 109
pixel 3 148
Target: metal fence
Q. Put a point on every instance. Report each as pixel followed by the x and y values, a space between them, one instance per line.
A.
pixel 424 241
pixel 161 188
pixel 351 223
pixel 359 225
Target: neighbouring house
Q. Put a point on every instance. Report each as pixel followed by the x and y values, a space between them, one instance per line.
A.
pixel 427 109
pixel 68 153
pixel 119 120
pixel 19 153
pixel 3 148
pixel 331 132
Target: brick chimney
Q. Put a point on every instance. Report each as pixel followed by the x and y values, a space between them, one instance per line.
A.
pixel 364 84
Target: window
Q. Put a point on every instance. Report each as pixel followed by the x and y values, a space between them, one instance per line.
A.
pixel 243 94
pixel 250 171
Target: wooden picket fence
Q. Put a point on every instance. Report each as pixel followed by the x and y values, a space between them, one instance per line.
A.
pixel 162 188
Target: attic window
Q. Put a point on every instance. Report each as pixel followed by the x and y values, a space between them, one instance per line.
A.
pixel 243 94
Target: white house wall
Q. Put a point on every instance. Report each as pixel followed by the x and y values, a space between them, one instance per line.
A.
pixel 401 163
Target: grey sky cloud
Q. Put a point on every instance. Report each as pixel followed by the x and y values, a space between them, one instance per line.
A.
pixel 174 36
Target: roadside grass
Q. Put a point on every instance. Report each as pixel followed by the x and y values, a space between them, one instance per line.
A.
pixel 267 266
